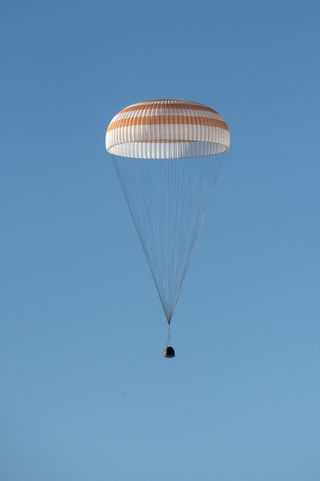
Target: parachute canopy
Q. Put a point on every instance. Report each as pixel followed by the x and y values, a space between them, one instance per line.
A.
pixel 167 129
pixel 167 154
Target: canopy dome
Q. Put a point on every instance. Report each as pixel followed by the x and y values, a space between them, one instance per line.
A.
pixel 167 129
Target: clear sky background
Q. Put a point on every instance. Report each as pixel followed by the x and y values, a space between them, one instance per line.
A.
pixel 85 391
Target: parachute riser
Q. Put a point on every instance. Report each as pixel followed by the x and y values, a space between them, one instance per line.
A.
pixel 169 352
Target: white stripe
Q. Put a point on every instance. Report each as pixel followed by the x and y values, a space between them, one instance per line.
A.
pixel 196 133
pixel 164 150
pixel 164 101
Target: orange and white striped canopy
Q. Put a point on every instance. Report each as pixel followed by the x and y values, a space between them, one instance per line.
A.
pixel 167 129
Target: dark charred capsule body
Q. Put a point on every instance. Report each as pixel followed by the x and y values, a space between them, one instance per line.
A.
pixel 169 352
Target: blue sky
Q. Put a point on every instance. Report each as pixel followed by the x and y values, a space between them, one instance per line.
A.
pixel 85 391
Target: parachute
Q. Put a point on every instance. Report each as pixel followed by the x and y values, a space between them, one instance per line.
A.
pixel 167 154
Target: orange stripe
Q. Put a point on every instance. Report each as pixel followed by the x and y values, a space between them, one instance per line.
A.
pixel 166 120
pixel 150 106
